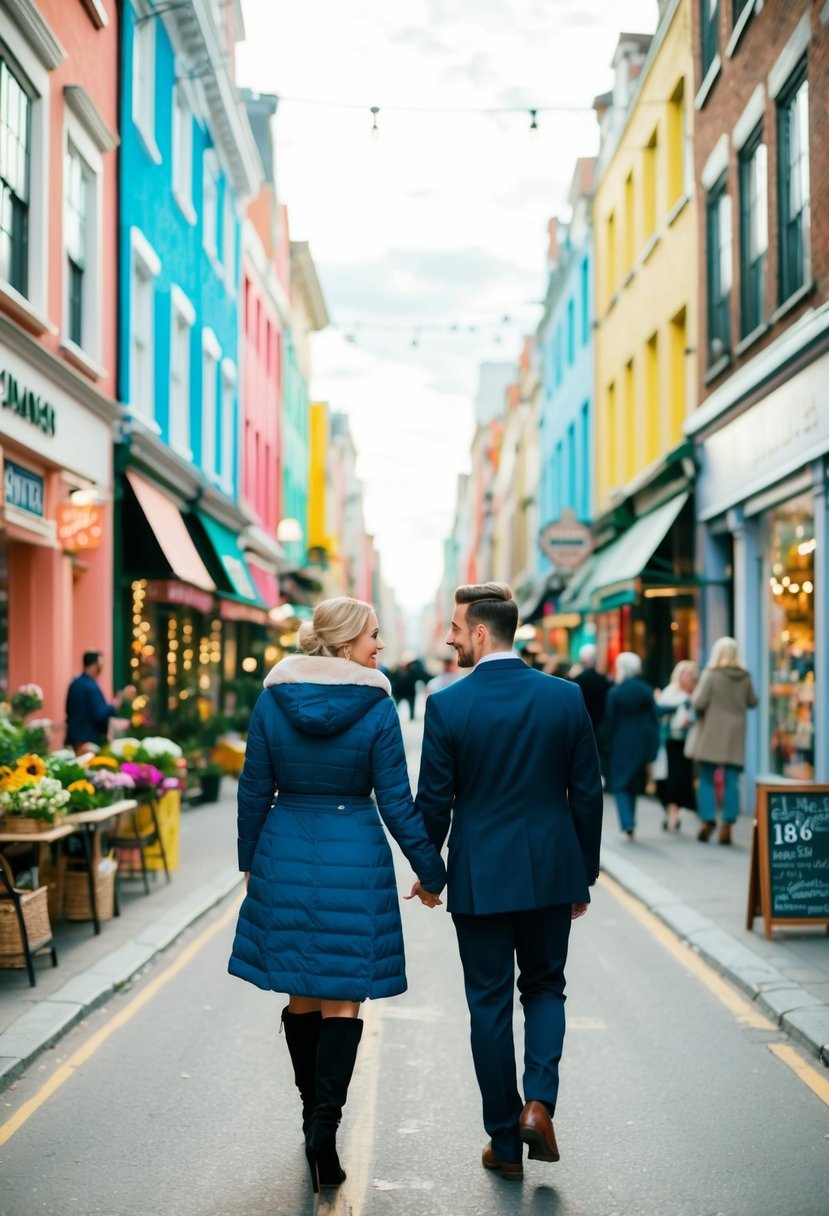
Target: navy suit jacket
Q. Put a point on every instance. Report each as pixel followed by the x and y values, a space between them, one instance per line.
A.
pixel 87 711
pixel 509 760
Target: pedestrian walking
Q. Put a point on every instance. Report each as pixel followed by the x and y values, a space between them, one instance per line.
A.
pixel 594 686
pixel 675 788
pixel 509 771
pixel 721 702
pixel 632 734
pixel 405 679
pixel 87 710
pixel 321 920
pixel 448 674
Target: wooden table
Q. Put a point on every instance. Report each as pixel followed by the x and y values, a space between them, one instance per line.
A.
pixel 85 824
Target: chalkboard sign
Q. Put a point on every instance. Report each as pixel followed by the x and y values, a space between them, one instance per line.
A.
pixel 789 879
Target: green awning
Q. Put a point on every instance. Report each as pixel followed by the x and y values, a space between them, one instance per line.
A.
pixel 608 578
pixel 231 559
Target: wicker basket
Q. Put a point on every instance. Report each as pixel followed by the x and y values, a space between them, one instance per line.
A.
pixel 24 823
pixel 76 905
pixel 38 928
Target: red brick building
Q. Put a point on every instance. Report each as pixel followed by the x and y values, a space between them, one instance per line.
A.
pixel 762 425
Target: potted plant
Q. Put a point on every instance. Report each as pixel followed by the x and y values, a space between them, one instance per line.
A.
pixel 210 777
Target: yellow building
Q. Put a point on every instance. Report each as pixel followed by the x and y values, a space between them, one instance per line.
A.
pixel 638 583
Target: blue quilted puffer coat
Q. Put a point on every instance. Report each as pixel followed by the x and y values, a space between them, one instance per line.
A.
pixel 321 916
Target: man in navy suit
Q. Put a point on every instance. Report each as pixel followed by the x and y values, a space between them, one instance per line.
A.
pixel 509 761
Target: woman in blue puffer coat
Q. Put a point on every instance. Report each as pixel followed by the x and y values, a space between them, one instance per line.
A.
pixel 321 920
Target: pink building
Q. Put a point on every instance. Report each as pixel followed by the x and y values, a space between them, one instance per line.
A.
pixel 58 181
pixel 264 315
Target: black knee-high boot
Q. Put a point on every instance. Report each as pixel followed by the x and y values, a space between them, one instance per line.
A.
pixel 302 1034
pixel 336 1056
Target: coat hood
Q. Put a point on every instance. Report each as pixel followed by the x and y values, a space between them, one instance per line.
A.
pixel 729 673
pixel 324 696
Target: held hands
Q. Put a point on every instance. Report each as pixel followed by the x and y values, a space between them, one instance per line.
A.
pixel 426 897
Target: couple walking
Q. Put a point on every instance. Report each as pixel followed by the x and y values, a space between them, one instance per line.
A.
pixel 509 771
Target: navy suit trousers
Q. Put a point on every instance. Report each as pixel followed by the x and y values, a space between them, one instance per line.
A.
pixel 489 947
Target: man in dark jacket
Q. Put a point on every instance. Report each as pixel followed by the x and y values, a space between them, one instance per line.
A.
pixel 509 760
pixel 87 710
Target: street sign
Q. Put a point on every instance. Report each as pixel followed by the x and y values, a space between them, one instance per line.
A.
pixel 789 873
pixel 566 541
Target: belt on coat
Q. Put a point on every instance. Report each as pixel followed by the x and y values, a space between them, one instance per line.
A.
pixel 324 803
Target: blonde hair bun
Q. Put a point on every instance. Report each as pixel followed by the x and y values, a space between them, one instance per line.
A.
pixel 307 639
pixel 336 622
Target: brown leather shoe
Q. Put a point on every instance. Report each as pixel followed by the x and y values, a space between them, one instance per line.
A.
pixel 536 1128
pixel 513 1171
pixel 725 833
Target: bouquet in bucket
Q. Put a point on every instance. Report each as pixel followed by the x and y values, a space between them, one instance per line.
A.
pixel 152 752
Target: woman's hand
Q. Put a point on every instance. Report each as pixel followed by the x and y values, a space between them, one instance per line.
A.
pixel 577 910
pixel 426 897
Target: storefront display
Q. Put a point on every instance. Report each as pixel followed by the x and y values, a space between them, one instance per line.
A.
pixel 790 581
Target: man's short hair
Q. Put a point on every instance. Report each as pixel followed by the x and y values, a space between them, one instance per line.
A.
pixel 491 604
pixel 90 657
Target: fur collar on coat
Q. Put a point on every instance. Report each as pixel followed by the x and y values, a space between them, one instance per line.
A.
pixel 317 669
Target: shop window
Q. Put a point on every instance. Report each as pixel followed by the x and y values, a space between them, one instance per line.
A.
pixel 791 638
pixel 718 216
pixel 753 233
pixel 793 184
pixel 15 155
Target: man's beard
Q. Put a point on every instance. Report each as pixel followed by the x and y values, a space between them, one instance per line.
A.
pixel 465 657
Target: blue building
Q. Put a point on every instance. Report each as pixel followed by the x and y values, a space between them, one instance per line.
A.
pixel 565 344
pixel 188 166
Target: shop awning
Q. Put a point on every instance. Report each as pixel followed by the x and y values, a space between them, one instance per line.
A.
pixel 543 589
pixel 266 582
pixel 170 531
pixel 232 560
pixel 608 578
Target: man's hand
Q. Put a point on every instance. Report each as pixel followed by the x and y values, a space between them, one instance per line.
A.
pixel 426 897
pixel 577 910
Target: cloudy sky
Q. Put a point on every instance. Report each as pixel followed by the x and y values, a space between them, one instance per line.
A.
pixel 429 239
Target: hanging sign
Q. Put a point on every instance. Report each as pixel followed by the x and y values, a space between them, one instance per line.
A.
pixel 566 541
pixel 80 527
pixel 789 874
pixel 23 489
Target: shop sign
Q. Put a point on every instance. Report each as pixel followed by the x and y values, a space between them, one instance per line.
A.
pixel 23 489
pixel 26 403
pixel 169 591
pixel 231 610
pixel 566 541
pixel 80 527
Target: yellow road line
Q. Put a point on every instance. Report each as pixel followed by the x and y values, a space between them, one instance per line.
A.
pixel 742 1009
pixel 808 1075
pixel 68 1069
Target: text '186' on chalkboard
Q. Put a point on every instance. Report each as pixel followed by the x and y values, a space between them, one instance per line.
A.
pixel 798 853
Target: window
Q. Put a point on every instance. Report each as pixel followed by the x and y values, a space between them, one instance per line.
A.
pixel 719 271
pixel 677 151
pixel 710 32
pixel 558 488
pixel 229 242
pixel 211 354
pixel 630 421
pixel 571 331
pixel 584 462
pixel 228 425
pixel 182 317
pixel 585 301
pixel 652 421
pixel 677 371
pixel 753 232
pixel 611 439
pixel 649 185
pixel 210 203
pixel 629 223
pixel 558 355
pixel 143 82
pixel 183 153
pixel 145 269
pixel 77 190
pixel 793 184
pixel 612 255
pixel 571 466
pixel 15 152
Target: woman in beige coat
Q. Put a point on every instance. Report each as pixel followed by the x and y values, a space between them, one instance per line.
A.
pixel 721 702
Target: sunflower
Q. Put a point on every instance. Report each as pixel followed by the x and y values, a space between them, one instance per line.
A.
pixel 17 779
pixel 81 787
pixel 103 762
pixel 33 766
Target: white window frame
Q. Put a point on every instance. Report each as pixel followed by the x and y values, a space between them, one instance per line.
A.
pixel 229 241
pixel 182 152
pixel 78 139
pixel 32 309
pixel 228 425
pixel 143 81
pixel 211 359
pixel 210 175
pixel 182 320
pixel 145 267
